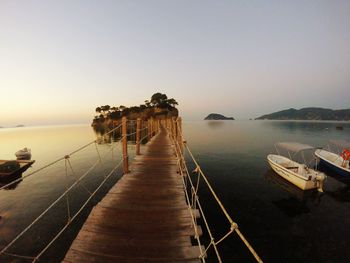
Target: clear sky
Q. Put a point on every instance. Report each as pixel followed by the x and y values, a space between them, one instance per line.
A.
pixel 61 59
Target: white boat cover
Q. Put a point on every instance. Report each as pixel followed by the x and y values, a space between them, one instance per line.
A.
pixel 294 146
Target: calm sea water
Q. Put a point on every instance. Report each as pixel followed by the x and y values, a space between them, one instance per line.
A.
pixel 283 223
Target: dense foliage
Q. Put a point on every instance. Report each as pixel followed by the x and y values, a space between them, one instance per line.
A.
pixel 158 104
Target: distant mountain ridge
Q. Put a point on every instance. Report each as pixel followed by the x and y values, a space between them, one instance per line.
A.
pixel 216 116
pixel 311 113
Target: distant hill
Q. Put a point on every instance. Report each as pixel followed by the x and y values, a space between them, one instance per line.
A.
pixel 216 116
pixel 308 114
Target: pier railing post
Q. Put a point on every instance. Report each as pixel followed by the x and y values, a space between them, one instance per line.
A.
pixel 174 130
pixel 179 132
pixel 148 130
pixel 152 124
pixel 125 146
pixel 138 135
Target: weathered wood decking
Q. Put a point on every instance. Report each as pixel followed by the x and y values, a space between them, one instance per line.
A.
pixel 144 217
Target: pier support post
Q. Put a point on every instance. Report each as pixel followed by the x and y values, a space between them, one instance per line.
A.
pixel 179 133
pixel 174 128
pixel 152 126
pixel 125 146
pixel 138 135
pixel 148 130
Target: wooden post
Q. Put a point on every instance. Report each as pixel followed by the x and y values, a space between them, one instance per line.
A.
pixel 148 130
pixel 180 136
pixel 125 146
pixel 151 125
pixel 155 126
pixel 138 135
pixel 174 128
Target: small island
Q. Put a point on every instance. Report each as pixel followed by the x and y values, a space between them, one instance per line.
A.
pixel 216 116
pixel 311 113
pixel 158 107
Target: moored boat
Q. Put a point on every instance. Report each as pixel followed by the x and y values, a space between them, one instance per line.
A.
pixel 24 154
pixel 299 174
pixel 10 167
pixel 337 157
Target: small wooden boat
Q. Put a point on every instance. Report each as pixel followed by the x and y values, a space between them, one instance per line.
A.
pixel 24 154
pixel 297 173
pixel 10 167
pixel 338 162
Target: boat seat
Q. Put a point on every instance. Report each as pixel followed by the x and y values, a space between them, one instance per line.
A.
pixel 292 167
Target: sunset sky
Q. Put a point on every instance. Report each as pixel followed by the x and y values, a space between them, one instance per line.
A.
pixel 61 59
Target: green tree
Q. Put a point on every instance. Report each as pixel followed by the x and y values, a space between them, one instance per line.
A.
pixel 172 102
pixel 159 100
pixel 147 103
pixel 98 109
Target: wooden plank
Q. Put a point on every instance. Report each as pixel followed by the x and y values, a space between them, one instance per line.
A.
pixel 111 238
pixel 144 217
pixel 82 257
pixel 150 251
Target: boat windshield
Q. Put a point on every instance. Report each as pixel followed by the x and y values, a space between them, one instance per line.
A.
pixel 337 146
pixel 298 152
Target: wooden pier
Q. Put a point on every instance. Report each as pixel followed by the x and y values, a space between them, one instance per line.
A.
pixel 144 217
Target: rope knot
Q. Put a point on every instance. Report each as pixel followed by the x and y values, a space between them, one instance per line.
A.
pixel 66 156
pixel 197 169
pixel 233 226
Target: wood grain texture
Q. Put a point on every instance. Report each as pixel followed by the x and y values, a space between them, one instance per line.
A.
pixel 144 217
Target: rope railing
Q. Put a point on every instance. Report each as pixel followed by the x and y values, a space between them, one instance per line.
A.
pixel 63 195
pixel 78 182
pixel 191 189
pixel 58 160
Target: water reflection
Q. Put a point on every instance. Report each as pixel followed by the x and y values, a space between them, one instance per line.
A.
pixel 291 206
pixel 104 136
pixel 340 192
pixel 215 124
pixel 8 179
pixel 296 192
pixel 314 126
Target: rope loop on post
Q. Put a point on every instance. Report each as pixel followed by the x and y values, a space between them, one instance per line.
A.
pixel 234 226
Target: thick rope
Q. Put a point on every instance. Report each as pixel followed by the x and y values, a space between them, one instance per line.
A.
pixel 52 205
pixel 78 212
pixel 56 161
pixel 194 190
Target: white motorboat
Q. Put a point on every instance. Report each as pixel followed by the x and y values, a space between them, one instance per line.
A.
pixel 24 154
pixel 336 157
pixel 298 173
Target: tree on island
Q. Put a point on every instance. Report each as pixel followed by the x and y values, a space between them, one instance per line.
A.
pixel 159 104
pixel 161 101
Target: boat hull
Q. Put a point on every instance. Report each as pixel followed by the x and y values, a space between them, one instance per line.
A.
pixel 24 165
pixel 334 167
pixel 291 176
